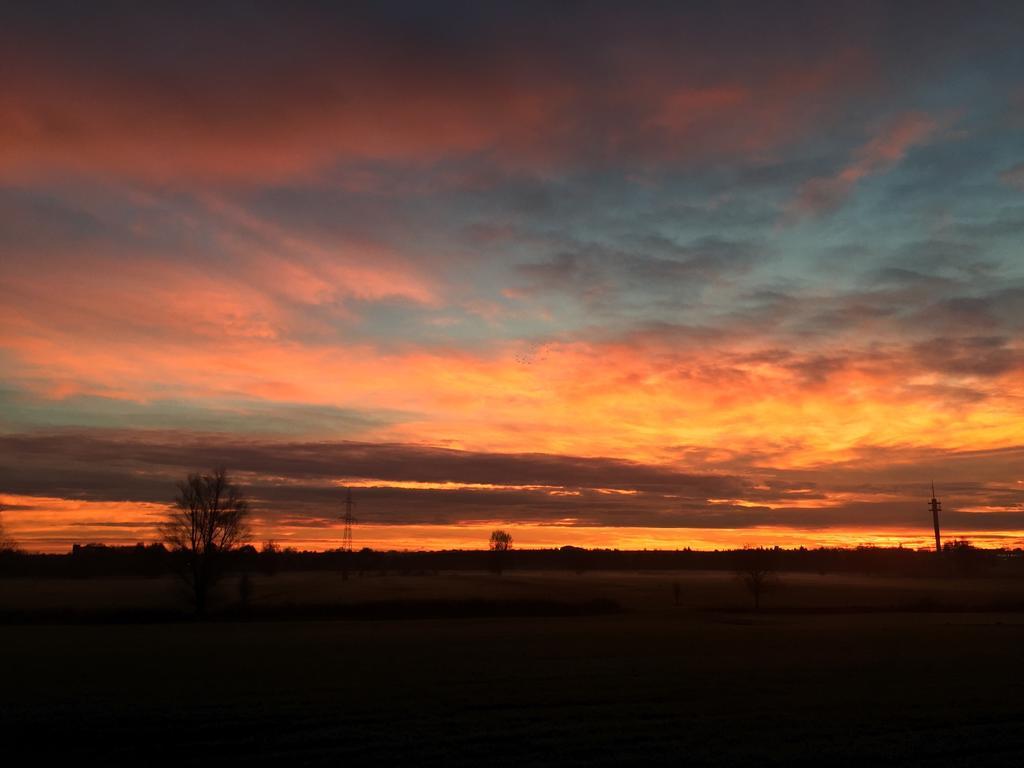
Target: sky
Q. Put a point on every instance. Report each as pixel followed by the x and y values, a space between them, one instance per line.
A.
pixel 605 274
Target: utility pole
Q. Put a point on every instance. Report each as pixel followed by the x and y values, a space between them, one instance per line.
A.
pixel 936 507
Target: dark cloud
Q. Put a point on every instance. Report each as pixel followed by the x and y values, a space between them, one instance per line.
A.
pixel 297 483
pixel 657 273
pixel 971 356
pixel 135 457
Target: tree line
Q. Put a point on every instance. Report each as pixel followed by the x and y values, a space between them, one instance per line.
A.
pixel 205 535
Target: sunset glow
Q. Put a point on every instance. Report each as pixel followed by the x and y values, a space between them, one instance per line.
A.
pixel 614 280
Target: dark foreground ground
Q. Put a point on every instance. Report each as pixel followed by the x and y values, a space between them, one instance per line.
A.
pixel 835 671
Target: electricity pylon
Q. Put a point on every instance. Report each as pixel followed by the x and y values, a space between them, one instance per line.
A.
pixel 936 507
pixel 347 521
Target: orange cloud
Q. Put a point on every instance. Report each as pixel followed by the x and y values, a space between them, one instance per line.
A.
pixel 296 119
pixel 60 121
pixel 823 194
pixel 53 524
pixel 586 398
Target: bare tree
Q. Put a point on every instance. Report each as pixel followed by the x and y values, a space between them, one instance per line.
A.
pixel 501 543
pixel 208 519
pixel 756 571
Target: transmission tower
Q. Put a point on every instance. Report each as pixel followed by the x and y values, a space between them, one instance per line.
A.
pixel 347 521
pixel 936 507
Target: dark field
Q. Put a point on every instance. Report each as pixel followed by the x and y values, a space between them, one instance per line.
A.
pixel 834 670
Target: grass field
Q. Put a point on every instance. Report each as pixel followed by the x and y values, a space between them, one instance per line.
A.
pixel 835 670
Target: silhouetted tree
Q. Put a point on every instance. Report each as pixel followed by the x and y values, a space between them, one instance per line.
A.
pixel 364 557
pixel 756 571
pixel 501 543
pixel 575 558
pixel 207 520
